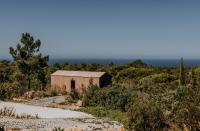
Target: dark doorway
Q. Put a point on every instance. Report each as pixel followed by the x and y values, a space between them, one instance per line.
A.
pixel 73 85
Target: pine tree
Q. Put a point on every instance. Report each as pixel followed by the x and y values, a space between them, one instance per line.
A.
pixel 182 74
pixel 28 59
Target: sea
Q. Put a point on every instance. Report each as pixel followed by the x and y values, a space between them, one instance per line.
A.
pixel 151 62
pixel 119 62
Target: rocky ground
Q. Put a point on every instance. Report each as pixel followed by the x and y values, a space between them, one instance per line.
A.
pixel 49 124
pixel 50 118
pixel 48 101
pixel 56 102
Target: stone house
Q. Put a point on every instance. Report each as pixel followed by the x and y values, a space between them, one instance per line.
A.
pixel 78 80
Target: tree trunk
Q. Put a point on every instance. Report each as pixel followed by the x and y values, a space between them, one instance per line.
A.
pixel 29 82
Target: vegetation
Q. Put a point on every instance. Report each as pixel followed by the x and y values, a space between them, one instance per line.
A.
pixel 29 63
pixel 140 96
pixel 58 129
pixel 110 114
pixel 182 74
pixel 151 98
pixel 10 112
pixel 146 115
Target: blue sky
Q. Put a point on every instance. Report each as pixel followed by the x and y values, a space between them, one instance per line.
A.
pixel 104 28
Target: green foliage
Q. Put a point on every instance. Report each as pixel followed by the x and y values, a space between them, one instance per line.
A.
pixel 2 129
pixel 134 73
pixel 187 108
pixel 115 97
pixel 192 79
pixel 6 71
pixel 29 61
pixel 137 63
pixel 158 78
pixel 134 101
pixel 182 74
pixel 140 96
pixel 75 95
pixel 52 91
pixel 85 67
pixel 103 112
pixel 58 129
pixel 9 91
pixel 146 115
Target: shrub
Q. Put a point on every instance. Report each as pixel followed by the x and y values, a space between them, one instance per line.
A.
pixel 2 128
pixel 158 78
pixel 107 113
pixel 145 115
pixel 58 129
pixel 10 90
pixel 114 97
pixel 134 73
pixel 7 111
pixel 39 94
pixel 10 112
pixel 53 91
pixel 137 63
pixel 187 108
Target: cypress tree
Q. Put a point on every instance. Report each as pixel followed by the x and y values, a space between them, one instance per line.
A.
pixel 182 74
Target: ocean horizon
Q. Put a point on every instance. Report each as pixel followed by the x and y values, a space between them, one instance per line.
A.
pixel 119 62
pixel 151 62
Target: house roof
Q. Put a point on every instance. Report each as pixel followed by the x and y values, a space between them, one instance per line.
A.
pixel 78 73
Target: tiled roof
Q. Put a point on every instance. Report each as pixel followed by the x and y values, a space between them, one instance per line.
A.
pixel 78 73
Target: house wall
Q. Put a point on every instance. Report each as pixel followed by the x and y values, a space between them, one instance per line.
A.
pixel 64 83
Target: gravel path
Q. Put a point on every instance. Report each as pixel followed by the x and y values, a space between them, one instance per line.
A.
pixel 44 112
pixel 49 124
pixel 54 117
pixel 55 102
pixel 48 101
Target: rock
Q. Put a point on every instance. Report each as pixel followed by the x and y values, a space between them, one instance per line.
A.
pixel 29 95
pixel 121 129
pixel 10 129
pixel 79 103
pixel 74 129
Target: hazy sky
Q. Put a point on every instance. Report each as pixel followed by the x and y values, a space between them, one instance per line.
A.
pixel 104 28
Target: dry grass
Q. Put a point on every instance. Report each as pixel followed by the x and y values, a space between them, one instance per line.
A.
pixel 11 113
pixel 7 111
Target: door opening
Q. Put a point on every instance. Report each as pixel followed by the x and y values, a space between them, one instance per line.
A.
pixel 73 85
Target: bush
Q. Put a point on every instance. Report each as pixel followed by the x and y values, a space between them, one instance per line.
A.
pixel 53 91
pixel 107 113
pixel 137 63
pixel 7 111
pixel 114 97
pixel 146 115
pixel 58 129
pixel 39 94
pixel 134 73
pixel 11 113
pixel 187 108
pixel 2 128
pixel 158 78
pixel 10 90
